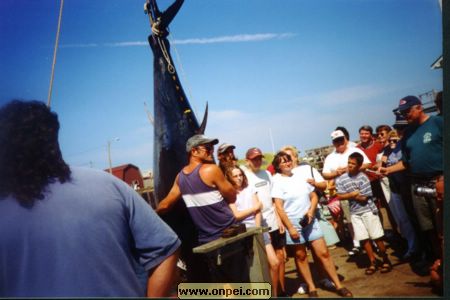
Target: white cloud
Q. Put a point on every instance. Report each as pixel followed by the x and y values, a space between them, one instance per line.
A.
pixel 90 45
pixel 351 94
pixel 235 38
pixel 226 115
pixel 347 95
pixel 126 44
pixel 306 126
pixel 239 38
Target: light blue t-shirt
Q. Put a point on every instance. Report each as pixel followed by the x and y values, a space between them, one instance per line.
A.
pixel 82 240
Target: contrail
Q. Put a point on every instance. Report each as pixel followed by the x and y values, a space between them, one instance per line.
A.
pixel 239 38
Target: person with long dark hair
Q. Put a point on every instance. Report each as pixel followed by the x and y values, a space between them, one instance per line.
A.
pixel 72 232
pixel 247 209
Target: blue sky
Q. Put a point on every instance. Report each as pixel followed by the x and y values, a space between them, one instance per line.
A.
pixel 290 69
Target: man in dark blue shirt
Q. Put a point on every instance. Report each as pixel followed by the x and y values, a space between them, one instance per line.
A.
pixel 422 158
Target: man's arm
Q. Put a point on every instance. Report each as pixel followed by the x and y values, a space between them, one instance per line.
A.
pixel 167 203
pixel 365 167
pixel 400 166
pixel 213 176
pixel 162 277
pixel 333 174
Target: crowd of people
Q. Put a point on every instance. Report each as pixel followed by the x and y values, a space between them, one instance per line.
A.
pixel 388 169
pixel 396 169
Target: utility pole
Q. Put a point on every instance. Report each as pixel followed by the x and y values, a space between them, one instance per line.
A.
pixel 109 153
pixel 150 118
pixel 55 50
pixel 271 140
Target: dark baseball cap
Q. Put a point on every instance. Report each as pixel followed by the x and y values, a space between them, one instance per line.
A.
pixel 223 147
pixel 400 121
pixel 199 139
pixel 253 152
pixel 408 102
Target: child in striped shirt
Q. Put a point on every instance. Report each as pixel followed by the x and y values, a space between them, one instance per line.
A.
pixel 355 187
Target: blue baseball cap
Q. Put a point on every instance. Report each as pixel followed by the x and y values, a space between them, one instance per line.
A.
pixel 400 122
pixel 408 102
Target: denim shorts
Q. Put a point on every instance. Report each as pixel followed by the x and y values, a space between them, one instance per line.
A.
pixel 309 233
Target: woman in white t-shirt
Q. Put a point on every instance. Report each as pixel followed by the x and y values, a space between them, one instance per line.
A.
pixel 247 209
pixel 296 204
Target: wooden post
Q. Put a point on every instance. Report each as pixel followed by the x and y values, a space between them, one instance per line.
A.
pixel 259 267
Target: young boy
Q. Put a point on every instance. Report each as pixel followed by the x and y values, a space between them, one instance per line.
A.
pixel 355 187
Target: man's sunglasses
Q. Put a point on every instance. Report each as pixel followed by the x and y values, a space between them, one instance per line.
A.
pixel 207 147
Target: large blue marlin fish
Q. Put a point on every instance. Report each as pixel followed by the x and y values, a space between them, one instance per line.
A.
pixel 174 120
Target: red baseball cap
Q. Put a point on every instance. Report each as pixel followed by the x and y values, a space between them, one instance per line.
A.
pixel 253 152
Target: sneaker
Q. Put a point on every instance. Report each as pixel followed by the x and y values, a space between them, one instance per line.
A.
pixel 354 251
pixel 181 265
pixel 302 288
pixel 327 284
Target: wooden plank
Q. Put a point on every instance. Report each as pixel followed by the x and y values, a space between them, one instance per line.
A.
pixel 221 242
pixel 258 264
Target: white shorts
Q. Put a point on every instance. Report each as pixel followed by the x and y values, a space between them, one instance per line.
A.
pixel 367 226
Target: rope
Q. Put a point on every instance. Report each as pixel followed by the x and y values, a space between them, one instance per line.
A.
pixel 50 89
pixel 170 67
pixel 158 33
pixel 182 72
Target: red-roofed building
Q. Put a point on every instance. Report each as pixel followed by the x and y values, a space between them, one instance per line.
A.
pixel 130 174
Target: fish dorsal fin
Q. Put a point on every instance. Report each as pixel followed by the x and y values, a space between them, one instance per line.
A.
pixel 201 129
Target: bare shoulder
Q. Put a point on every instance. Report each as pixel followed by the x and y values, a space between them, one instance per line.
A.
pixel 210 173
pixel 210 168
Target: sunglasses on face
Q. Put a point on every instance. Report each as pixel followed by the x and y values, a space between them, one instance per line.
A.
pixel 406 112
pixel 207 147
pixel 393 141
pixel 338 140
pixel 286 159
